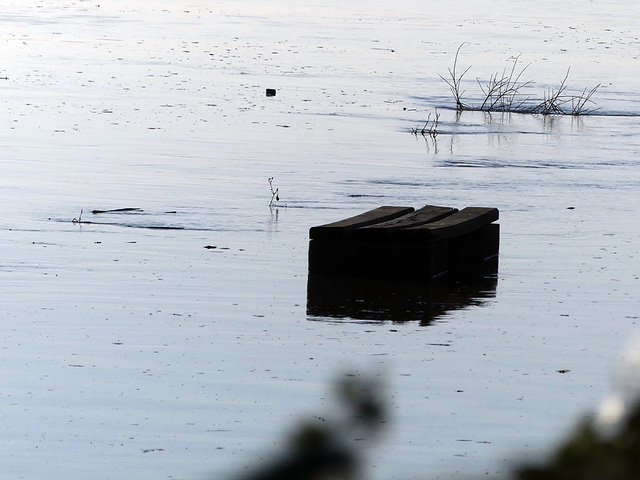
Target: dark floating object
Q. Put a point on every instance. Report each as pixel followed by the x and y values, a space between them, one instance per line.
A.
pixel 162 227
pixel 128 210
pixel 271 92
pixel 118 210
pixel 403 243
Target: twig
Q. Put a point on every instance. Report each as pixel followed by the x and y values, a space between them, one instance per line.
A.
pixel 553 99
pixel 500 93
pixel 455 81
pixel 274 193
pixel 79 219
pixel 578 103
pixel 430 127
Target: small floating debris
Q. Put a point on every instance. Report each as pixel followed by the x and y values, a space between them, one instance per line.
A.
pixel 271 92
pixel 128 210
pixel 149 450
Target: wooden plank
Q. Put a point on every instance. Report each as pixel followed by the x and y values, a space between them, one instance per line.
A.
pixel 426 214
pixel 339 256
pixel 475 254
pixel 378 259
pixel 340 229
pixel 387 243
pixel 463 222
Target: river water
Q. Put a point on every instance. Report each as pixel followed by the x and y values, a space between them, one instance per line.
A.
pixel 130 347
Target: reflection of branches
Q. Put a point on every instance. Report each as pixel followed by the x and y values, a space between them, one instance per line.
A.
pixel 273 221
pixel 501 129
pixel 430 140
pixel 549 123
pixel 577 123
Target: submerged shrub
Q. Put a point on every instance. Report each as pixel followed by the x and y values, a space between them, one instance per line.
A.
pixel 502 93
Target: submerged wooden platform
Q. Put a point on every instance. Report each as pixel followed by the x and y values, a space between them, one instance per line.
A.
pixel 402 242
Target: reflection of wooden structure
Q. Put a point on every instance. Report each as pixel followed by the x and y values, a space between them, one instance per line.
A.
pixel 378 299
pixel 400 242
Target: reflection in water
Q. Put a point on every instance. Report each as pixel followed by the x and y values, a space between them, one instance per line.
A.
pixel 551 123
pixel 503 132
pixel 431 141
pixel 332 296
pixel 273 219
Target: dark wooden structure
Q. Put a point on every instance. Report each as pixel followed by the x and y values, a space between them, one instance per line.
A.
pixel 400 242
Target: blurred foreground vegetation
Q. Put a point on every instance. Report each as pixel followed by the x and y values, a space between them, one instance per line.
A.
pixel 606 444
pixel 592 453
pixel 602 446
pixel 325 449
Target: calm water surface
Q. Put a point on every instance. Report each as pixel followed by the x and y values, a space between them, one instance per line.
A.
pixel 132 351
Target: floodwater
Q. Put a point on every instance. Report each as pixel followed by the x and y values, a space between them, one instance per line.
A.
pixel 130 347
